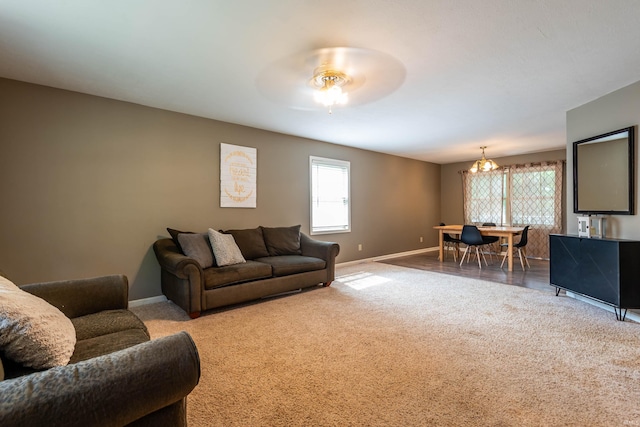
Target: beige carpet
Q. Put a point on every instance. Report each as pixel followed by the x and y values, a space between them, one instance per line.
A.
pixel 393 346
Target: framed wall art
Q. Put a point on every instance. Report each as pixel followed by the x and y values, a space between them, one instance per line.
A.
pixel 238 171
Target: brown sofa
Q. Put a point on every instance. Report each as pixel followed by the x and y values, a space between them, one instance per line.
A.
pixel 117 376
pixel 278 260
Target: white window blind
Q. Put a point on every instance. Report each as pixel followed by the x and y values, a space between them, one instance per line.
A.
pixel 330 204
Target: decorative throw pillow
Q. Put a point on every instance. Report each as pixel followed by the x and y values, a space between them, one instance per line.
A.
pixel 250 242
pixel 196 246
pixel 225 249
pixel 174 236
pixel 282 240
pixel 33 332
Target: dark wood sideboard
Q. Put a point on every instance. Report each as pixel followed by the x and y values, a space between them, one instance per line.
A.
pixel 606 270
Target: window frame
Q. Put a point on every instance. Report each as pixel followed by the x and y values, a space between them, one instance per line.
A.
pixel 316 160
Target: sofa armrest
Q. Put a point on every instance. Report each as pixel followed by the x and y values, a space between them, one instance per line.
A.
pixel 114 389
pixel 327 251
pixel 182 278
pixel 79 297
pixel 172 260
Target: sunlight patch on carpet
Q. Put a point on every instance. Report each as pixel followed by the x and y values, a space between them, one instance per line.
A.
pixel 362 280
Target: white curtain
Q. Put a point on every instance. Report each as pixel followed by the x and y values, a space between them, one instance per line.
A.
pixel 518 195
pixel 483 197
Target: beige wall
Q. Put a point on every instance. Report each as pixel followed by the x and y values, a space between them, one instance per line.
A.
pixel 610 112
pixel 88 184
pixel 451 179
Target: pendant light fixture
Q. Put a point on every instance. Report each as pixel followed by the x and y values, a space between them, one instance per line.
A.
pixel 483 165
pixel 328 85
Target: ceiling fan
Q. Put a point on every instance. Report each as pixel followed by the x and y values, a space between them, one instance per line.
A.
pixel 323 78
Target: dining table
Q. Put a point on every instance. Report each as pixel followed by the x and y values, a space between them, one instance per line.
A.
pixel 506 232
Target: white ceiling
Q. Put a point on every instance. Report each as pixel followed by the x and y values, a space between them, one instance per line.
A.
pixel 500 73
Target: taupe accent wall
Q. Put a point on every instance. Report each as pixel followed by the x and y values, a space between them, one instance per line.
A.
pixel 88 184
pixel 610 112
pixel 452 205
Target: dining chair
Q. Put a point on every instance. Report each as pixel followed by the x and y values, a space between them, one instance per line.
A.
pixel 450 242
pixel 521 246
pixel 473 239
pixel 490 241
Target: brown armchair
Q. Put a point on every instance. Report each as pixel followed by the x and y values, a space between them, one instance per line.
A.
pixel 117 375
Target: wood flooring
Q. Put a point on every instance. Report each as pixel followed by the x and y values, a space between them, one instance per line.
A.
pixel 536 277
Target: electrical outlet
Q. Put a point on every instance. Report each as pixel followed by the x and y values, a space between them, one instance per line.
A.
pixel 421 239
pixel 359 246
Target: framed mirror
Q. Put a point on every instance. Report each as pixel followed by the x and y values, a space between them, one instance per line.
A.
pixel 603 173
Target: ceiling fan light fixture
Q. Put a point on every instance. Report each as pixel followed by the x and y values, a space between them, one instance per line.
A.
pixel 328 85
pixel 483 165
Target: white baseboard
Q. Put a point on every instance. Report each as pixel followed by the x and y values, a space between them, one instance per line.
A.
pixel 145 301
pixel 389 256
pixel 631 315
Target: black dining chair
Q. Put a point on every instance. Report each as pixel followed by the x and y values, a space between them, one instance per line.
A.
pixel 490 241
pixel 521 246
pixel 473 239
pixel 451 243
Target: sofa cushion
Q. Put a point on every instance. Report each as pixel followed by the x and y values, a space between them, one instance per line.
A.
pixel 216 277
pixel 33 332
pixel 285 265
pixel 105 344
pixel 196 246
pixel 282 240
pixel 250 242
pixel 225 249
pixel 105 323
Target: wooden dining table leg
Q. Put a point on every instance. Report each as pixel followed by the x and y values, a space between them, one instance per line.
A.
pixel 510 252
pixel 441 244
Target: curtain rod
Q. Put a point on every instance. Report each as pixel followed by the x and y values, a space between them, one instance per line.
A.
pixel 520 165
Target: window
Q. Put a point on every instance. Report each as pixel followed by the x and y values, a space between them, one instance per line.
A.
pixel 533 196
pixel 330 204
pixel 484 197
pixel 518 195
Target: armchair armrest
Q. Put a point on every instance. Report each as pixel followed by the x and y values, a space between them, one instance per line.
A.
pixel 79 297
pixel 114 389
